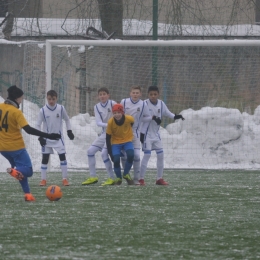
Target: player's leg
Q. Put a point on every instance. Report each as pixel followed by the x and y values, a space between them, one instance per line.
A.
pixel 64 169
pixel 44 167
pixel 147 149
pixel 116 151
pixel 136 162
pixel 129 150
pixel 109 168
pixel 22 171
pixel 160 163
pixel 96 146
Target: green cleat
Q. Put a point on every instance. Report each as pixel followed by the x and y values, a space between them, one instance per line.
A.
pixel 109 181
pixel 117 181
pixel 129 180
pixel 91 180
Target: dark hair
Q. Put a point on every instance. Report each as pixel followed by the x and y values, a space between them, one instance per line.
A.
pixel 136 87
pixel 103 90
pixel 153 88
pixel 52 93
pixel 14 92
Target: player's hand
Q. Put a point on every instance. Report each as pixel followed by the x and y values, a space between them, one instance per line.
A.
pixel 42 141
pixel 142 138
pixel 179 117
pixel 157 120
pixel 70 134
pixel 53 136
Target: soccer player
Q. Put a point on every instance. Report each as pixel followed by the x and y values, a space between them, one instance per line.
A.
pixel 103 112
pixel 12 145
pixel 137 108
pixel 119 137
pixel 51 117
pixel 150 136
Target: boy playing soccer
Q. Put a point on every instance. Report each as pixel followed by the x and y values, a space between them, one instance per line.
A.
pixel 51 116
pixel 137 108
pixel 119 137
pixel 103 111
pixel 12 145
pixel 150 136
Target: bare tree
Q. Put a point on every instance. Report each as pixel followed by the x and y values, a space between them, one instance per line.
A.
pixel 111 15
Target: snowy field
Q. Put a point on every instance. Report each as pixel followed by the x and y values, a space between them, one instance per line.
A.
pixel 209 138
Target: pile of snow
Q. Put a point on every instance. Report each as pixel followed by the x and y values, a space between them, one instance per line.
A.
pixel 212 138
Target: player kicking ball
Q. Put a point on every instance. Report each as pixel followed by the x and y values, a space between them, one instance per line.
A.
pixel 119 137
pixel 12 145
pixel 150 137
pixel 51 117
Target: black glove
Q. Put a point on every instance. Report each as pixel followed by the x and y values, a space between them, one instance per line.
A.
pixel 179 117
pixel 42 141
pixel 157 120
pixel 70 134
pixel 142 138
pixel 53 136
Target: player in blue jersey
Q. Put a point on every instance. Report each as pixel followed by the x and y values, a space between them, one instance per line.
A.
pixel 12 145
pixel 150 136
pixel 103 112
pixel 51 118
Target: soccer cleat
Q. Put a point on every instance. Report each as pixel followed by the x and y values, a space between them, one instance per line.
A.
pixel 161 182
pixel 42 183
pixel 28 197
pixel 65 182
pixel 14 173
pixel 136 182
pixel 118 181
pixel 109 181
pixel 128 179
pixel 141 182
pixel 91 180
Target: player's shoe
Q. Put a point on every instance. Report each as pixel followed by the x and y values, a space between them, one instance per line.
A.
pixel 91 180
pixel 109 181
pixel 65 182
pixel 28 197
pixel 136 182
pixel 161 182
pixel 128 179
pixel 118 181
pixel 42 183
pixel 141 182
pixel 14 173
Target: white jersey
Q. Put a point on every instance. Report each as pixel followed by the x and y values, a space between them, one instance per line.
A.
pixel 138 110
pixel 151 129
pixel 50 119
pixel 103 111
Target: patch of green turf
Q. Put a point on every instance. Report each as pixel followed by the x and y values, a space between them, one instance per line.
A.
pixel 200 215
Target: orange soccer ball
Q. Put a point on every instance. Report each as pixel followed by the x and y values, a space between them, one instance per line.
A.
pixel 54 193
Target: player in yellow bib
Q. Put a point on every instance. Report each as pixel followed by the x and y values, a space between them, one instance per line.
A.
pixel 12 145
pixel 119 136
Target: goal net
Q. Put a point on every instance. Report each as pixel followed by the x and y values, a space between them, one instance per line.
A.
pixel 213 84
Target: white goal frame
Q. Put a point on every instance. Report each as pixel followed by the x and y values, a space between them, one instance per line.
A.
pixel 50 43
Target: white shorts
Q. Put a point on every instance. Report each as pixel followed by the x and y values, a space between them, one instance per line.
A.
pixel 152 144
pixel 51 145
pixel 100 142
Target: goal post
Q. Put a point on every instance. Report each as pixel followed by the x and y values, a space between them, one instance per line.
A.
pixel 214 84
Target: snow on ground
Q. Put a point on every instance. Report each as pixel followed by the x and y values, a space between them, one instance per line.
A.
pixel 213 138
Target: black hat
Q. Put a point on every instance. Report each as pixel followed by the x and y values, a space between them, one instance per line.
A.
pixel 14 92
